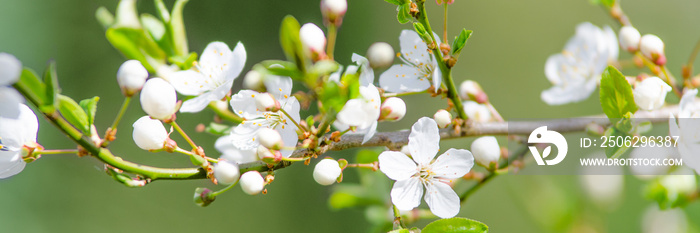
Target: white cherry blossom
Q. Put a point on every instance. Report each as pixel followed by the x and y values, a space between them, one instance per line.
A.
pixel 17 130
pixel 423 170
pixel 361 112
pixel 243 104
pixel 651 93
pixel 419 69
pixel 575 72
pixel 231 153
pixel 687 129
pixel 211 78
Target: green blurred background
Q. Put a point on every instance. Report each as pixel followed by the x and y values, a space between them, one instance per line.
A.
pixel 506 54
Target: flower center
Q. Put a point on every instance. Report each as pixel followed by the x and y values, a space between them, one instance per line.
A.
pixel 3 148
pixel 425 173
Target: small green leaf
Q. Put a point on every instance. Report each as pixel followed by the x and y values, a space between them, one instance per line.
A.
pixel 177 28
pixel 460 41
pixel 135 44
pixel 398 2
pixel 455 225
pixel 217 129
pixel 29 80
pixel 404 15
pixel 616 94
pixel 184 62
pixel 73 113
pixel 615 150
pixel 291 44
pixel 90 107
pixel 162 10
pixel 324 67
pixel 105 18
pixel 52 89
pixel 281 68
pixel 158 32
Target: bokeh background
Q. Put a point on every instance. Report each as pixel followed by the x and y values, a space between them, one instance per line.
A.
pixel 506 54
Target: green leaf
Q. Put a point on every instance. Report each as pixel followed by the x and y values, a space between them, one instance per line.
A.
pixel 184 62
pixel 615 151
pixel 73 113
pixel 281 68
pixel 177 28
pixel 135 44
pixel 398 2
pixel 324 67
pixel 616 94
pixel 52 89
pixel 400 231
pixel 29 80
pixel 455 225
pixel 291 44
pixel 90 107
pixel 162 10
pixel 404 15
pixel 158 32
pixel 460 41
pixel 217 129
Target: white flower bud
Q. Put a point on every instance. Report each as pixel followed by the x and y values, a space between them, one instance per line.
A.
pixel 334 10
pixel 393 109
pixel 312 37
pixel 158 99
pixel 264 153
pixel 252 182
pixel 380 55
pixel 226 172
pixel 327 171
pixel 270 138
pixel 131 76
pixel 253 80
pixel 471 90
pixel 266 102
pixel 651 93
pixel 652 47
pixel 149 134
pixel 629 38
pixel 486 150
pixel 477 112
pixel 442 118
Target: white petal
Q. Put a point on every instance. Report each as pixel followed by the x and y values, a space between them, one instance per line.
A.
pixel 442 200
pixel 9 102
pixel 397 165
pixel 403 78
pixel 289 137
pixel 16 131
pixel 687 104
pixel 370 132
pixel 243 104
pixel 424 140
pixel 453 164
pixel 352 113
pixel 200 102
pixel 243 136
pixel 10 69
pixel 612 44
pixel 575 91
pixel 292 107
pixel 278 86
pixel 367 75
pixel 406 194
pixel 225 145
pixel 552 68
pixel 190 82
pixel 437 76
pixel 216 54
pixel 10 164
pixel 413 48
pixel 237 62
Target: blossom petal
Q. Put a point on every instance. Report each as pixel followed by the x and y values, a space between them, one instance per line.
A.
pixel 189 82
pixel 243 104
pixel 216 54
pixel 687 104
pixel 11 164
pixel 367 75
pixel 442 200
pixel 198 103
pixel 292 107
pixel 278 86
pixel 575 91
pixel 413 48
pixel 229 152
pixel 289 137
pixel 397 165
pixel 403 78
pixel 16 131
pixel 437 77
pixel 9 102
pixel 243 136
pixel 424 140
pixel 370 132
pixel 237 62
pixel 453 164
pixel 406 194
pixel 10 69
pixel 352 113
pixel 612 43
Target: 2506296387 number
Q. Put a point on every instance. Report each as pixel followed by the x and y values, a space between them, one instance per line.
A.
pixel 631 141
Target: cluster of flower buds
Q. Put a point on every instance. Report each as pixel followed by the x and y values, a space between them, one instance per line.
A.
pixel 651 46
pixel 327 171
pixel 393 109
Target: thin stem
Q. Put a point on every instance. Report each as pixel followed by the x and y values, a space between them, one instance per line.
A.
pixel 184 152
pixel 693 55
pixel 364 165
pixel 214 194
pixel 290 159
pixel 446 72
pixel 291 119
pixel 391 94
pixel 494 112
pixel 122 110
pixel 184 135
pixel 523 150
pixel 444 25
pixel 397 217
pixel 671 81
pixel 225 114
pixel 332 33
pixel 55 152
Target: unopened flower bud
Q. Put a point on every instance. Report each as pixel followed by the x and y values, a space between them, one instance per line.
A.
pixel 471 90
pixel 652 47
pixel 486 150
pixel 158 99
pixel 253 80
pixel 270 138
pixel 327 171
pixel 445 48
pixel 149 134
pixel 380 55
pixel 629 38
pixel 266 102
pixel 442 118
pixel 226 172
pixel 131 76
pixel 268 156
pixel 476 112
pixel 650 94
pixel 393 109
pixel 203 197
pixel 252 182
pixel 334 10
pixel 312 37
